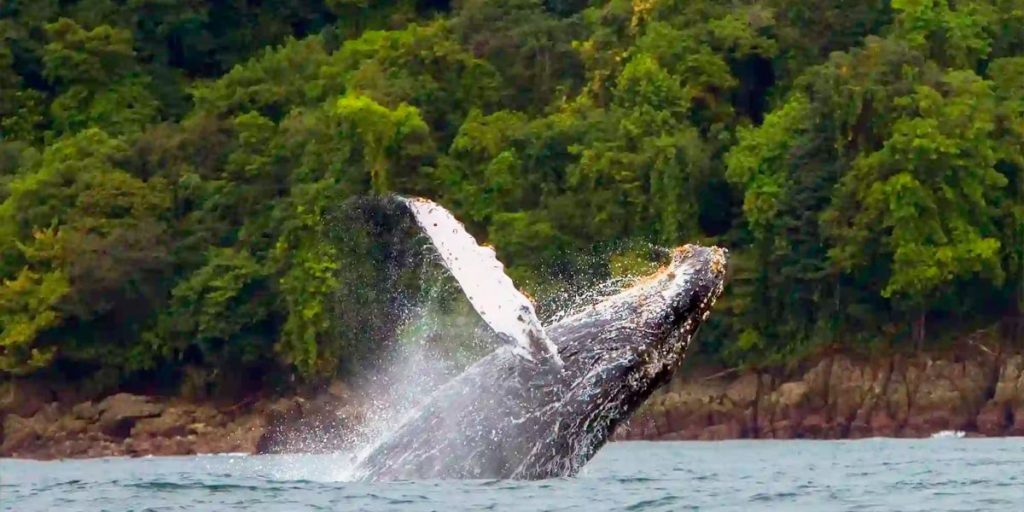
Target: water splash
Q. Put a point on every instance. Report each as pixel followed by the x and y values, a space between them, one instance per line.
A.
pixel 441 335
pixel 949 434
pixel 504 419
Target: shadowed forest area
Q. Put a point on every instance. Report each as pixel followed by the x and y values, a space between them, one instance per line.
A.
pixel 172 173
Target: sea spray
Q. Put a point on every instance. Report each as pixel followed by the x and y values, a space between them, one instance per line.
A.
pixel 416 364
pixel 502 418
pixel 439 337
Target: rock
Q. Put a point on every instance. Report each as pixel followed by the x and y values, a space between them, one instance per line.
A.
pixel 679 418
pixel 1010 387
pixel 817 380
pixel 209 416
pixel 238 437
pixel 1004 413
pixel 646 429
pixel 847 389
pixel 67 426
pixel 843 397
pixel 24 397
pixel 784 429
pixel 945 395
pixel 793 394
pixel 86 411
pixel 814 426
pixel 1017 429
pixel 19 433
pixel 994 419
pixel 172 422
pixel 119 413
pixel 661 425
pixel 279 417
pixel 743 392
pixel 882 425
pixel 731 430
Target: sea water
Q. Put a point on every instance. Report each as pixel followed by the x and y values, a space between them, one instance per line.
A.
pixel 934 475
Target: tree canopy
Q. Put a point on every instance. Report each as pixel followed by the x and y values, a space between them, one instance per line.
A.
pixel 174 176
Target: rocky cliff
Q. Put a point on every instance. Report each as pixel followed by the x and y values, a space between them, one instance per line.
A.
pixel 838 396
pixel 843 397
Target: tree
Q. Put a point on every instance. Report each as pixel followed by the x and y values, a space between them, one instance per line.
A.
pixel 28 309
pixel 385 137
pixel 1007 77
pixel 931 189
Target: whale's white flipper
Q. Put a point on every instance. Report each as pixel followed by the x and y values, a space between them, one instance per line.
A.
pixel 483 280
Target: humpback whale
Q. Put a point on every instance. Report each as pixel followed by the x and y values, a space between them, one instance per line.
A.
pixel 524 413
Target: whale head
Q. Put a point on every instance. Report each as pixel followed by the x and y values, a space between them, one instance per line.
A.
pixel 650 325
pixel 675 301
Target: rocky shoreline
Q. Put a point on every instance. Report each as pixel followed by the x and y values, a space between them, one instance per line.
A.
pixel 977 392
pixel 839 396
pixel 125 424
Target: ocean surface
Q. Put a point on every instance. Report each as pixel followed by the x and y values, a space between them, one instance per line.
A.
pixel 934 475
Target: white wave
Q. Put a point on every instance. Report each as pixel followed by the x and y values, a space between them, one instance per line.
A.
pixel 483 279
pixel 946 434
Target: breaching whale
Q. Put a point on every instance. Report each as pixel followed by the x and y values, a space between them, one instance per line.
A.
pixel 521 412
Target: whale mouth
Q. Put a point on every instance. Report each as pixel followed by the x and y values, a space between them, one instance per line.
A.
pixel 649 325
pixel 693 272
pixel 675 300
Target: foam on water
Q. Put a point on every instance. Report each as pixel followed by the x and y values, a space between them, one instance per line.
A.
pixel 945 434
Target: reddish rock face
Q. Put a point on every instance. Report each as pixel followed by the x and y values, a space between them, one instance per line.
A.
pixel 842 397
pixel 995 419
pixel 838 397
pixel 1018 423
pixel 135 425
pixel 882 425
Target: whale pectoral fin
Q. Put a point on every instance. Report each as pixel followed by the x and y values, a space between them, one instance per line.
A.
pixel 482 278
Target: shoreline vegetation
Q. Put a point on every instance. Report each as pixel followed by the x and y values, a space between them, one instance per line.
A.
pixel 175 219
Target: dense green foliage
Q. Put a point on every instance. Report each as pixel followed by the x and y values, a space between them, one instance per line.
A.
pixel 172 173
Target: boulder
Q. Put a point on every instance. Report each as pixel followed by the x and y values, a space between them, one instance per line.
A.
pixel 19 433
pixel 119 413
pixel 172 422
pixel 24 397
pixel 86 411
pixel 793 394
pixel 209 416
pixel 67 426
pixel 743 392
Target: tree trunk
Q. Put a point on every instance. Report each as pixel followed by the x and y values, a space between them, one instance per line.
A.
pixel 918 332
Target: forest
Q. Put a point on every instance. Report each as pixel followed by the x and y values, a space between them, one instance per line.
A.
pixel 173 173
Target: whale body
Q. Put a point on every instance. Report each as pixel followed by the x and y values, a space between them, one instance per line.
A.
pixel 508 418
